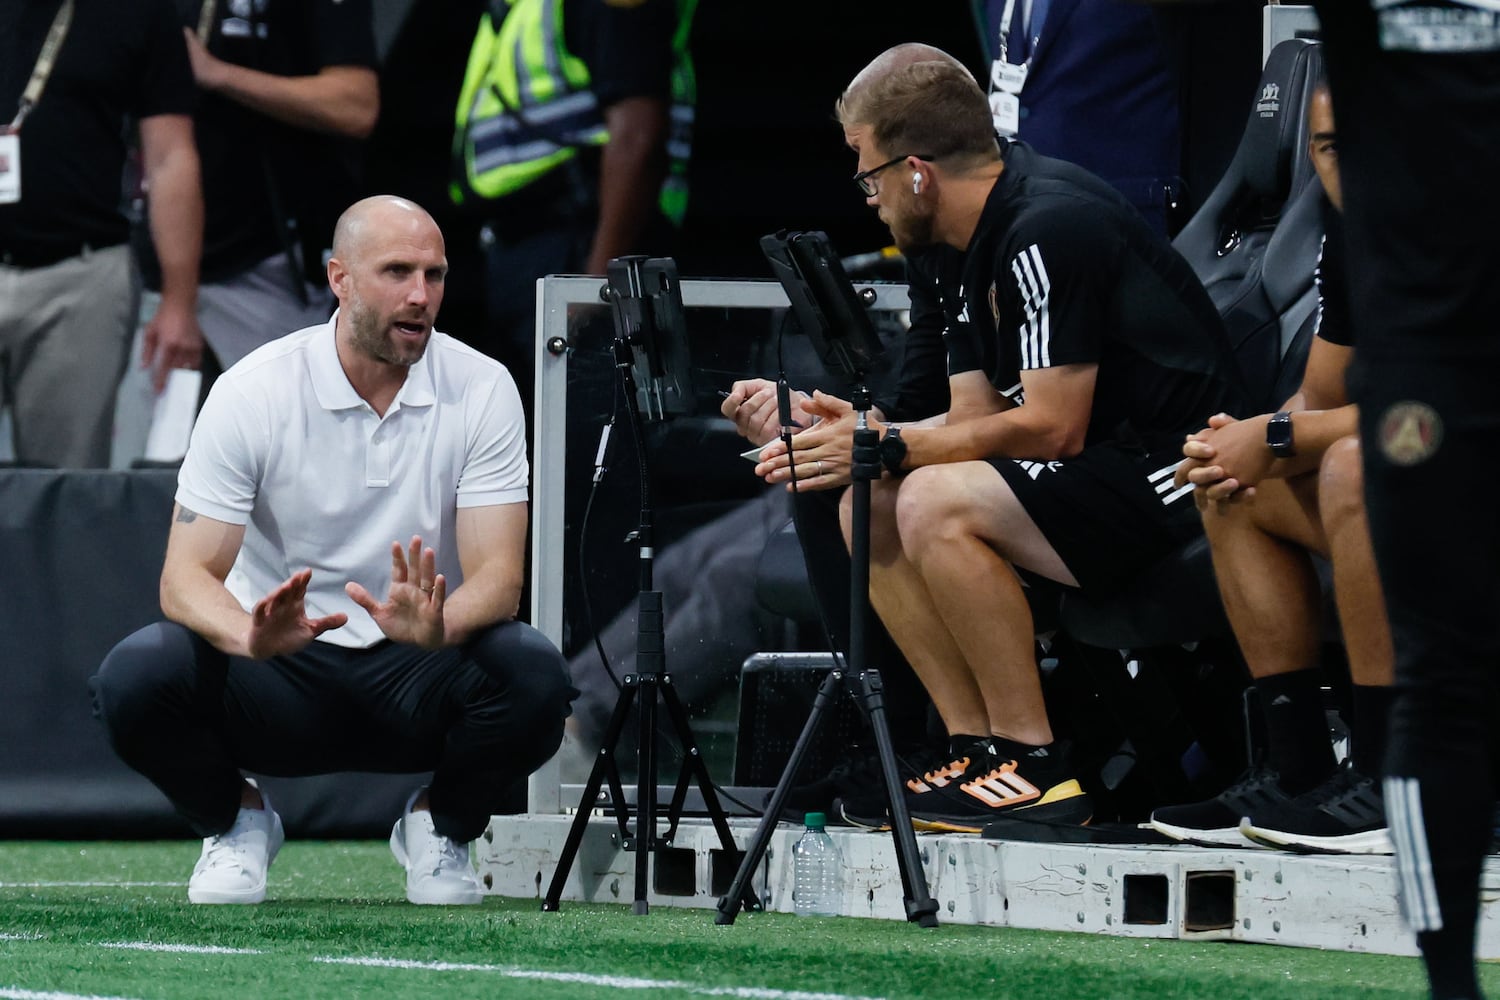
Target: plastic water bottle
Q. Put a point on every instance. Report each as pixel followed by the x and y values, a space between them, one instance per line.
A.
pixel 818 883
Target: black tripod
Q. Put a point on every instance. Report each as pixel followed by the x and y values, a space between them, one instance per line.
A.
pixel 649 682
pixel 920 906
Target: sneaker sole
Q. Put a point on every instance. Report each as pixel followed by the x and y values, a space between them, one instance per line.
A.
pixel 215 897
pixel 952 824
pixel 453 899
pixel 1228 836
pixel 1075 810
pixel 1364 842
pixel 880 825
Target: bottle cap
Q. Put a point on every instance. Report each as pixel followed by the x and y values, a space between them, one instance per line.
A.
pixel 816 821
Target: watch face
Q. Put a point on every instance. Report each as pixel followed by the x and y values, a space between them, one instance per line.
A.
pixel 892 450
pixel 1279 434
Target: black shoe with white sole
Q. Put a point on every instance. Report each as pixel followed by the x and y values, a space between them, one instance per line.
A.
pixel 1216 822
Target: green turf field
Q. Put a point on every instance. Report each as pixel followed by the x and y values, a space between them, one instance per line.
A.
pixel 112 920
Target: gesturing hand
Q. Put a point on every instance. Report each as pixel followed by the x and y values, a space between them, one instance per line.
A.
pixel 279 624
pixel 413 608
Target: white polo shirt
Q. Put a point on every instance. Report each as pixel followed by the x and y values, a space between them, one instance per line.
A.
pixel 286 447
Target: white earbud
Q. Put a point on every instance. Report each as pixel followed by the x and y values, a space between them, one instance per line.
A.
pixel 916 183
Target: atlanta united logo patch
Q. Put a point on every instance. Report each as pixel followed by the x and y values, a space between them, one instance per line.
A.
pixel 1410 433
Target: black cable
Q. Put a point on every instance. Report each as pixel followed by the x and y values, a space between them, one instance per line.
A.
pixel 670 743
pixel 601 466
pixel 840 657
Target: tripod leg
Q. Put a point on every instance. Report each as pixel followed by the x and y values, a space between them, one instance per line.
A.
pixel 920 906
pixel 645 796
pixel 729 904
pixel 693 762
pixel 604 764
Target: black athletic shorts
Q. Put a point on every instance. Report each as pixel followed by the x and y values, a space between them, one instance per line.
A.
pixel 1109 512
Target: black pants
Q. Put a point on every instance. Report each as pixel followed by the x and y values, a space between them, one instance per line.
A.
pixel 190 717
pixel 1431 480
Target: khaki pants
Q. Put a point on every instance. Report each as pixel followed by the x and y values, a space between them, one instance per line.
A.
pixel 64 342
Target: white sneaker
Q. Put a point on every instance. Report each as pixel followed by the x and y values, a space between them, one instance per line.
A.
pixel 438 872
pixel 232 867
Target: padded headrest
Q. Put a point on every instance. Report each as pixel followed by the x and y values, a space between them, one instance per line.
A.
pixel 1292 253
pixel 1275 140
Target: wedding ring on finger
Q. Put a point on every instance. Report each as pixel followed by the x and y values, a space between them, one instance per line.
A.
pixel 819 461
pixel 425 590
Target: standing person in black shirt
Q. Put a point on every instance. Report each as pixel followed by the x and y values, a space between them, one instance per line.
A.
pixel 1093 350
pixel 1424 273
pixel 68 286
pixel 289 87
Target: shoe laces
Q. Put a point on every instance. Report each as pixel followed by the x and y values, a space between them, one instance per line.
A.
pixel 1253 779
pixel 445 854
pixel 1343 781
pixel 224 850
pixel 939 776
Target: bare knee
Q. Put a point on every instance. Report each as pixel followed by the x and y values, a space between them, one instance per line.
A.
pixel 885 543
pixel 932 502
pixel 1341 485
pixel 1224 521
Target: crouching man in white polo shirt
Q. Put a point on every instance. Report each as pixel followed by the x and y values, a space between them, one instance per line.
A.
pixel 341 581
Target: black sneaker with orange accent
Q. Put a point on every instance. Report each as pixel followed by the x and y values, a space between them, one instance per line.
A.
pixel 1035 784
pixel 919 776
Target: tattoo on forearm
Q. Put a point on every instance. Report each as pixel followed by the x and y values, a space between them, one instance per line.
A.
pixel 185 516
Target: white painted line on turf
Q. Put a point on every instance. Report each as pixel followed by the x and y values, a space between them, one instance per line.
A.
pixel 23 936
pixel 14 993
pixel 187 949
pixel 89 885
pixel 582 978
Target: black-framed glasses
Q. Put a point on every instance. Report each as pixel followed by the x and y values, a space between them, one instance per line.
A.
pixel 862 179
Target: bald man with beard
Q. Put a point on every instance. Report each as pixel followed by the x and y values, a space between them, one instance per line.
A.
pixel 341 581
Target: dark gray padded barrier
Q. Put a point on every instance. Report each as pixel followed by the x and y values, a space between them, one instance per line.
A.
pixel 82 554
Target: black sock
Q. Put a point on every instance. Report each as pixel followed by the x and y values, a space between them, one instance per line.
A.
pixel 1038 763
pixel 1299 749
pixel 1372 717
pixel 1014 748
pixel 963 745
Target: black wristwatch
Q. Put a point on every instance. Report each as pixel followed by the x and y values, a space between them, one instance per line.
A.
pixel 1279 435
pixel 892 449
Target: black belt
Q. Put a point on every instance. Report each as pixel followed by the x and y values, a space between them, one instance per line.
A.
pixel 564 196
pixel 42 256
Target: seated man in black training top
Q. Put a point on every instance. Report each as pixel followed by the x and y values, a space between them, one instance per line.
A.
pixel 1092 350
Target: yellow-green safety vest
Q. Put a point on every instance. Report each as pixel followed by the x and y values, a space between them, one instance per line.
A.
pixel 526 108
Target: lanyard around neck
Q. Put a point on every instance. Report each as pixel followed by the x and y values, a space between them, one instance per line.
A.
pixel 45 61
pixel 1005 18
